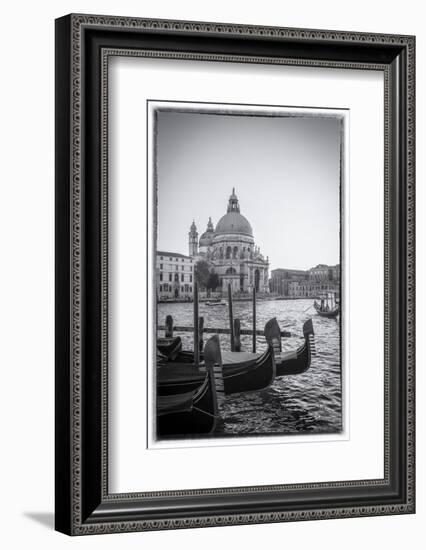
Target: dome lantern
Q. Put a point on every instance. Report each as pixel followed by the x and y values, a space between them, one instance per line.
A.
pixel 233 205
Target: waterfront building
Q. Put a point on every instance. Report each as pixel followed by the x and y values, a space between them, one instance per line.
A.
pixel 231 252
pixel 175 276
pixel 312 283
pixel 282 278
pixel 322 272
pixel 310 289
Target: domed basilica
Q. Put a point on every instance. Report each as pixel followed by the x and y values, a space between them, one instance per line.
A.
pixel 230 251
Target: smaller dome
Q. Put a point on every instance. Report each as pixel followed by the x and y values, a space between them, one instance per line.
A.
pixel 206 238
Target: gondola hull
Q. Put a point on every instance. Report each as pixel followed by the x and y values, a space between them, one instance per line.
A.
pixel 298 361
pixel 197 419
pixel 175 377
pixel 247 372
pixel 194 412
pixel 242 372
pixel 169 347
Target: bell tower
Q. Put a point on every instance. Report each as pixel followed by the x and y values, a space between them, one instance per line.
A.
pixel 193 240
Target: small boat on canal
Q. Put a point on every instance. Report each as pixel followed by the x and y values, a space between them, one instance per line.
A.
pixel 328 306
pixel 215 303
pixel 193 411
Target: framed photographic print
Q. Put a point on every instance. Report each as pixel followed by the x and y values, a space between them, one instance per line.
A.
pixel 234 274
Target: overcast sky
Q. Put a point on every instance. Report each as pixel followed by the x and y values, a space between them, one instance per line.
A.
pixel 285 171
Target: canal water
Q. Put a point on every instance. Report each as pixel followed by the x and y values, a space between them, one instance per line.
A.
pixel 303 403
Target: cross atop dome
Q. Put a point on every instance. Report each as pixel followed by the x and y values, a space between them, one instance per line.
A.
pixel 233 205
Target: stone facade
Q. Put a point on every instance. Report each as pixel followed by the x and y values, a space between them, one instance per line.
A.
pixel 281 279
pixel 312 283
pixel 322 279
pixel 175 276
pixel 230 251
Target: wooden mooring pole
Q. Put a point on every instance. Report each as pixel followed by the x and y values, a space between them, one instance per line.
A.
pixel 237 334
pixel 196 327
pixel 200 333
pixel 254 319
pixel 168 333
pixel 231 318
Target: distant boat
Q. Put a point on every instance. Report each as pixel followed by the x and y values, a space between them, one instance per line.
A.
pixel 193 412
pixel 215 303
pixel 328 307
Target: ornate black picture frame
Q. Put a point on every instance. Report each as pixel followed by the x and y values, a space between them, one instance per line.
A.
pixel 83 46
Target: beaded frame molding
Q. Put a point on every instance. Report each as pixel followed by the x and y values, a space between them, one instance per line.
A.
pixel 84 43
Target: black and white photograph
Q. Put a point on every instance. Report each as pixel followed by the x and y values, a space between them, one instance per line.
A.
pixel 247 270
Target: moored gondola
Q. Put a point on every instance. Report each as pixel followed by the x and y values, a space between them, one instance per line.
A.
pixel 242 371
pixel 184 375
pixel 194 412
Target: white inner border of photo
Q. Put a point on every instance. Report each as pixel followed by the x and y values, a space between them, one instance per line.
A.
pixel 132 466
pixel 242 110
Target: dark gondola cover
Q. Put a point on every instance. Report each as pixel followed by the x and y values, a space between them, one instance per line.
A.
pixel 169 347
pixel 195 412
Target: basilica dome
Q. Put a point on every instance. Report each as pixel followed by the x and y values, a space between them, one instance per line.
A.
pixel 233 222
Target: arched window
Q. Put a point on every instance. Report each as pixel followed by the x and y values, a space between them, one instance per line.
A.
pixel 235 251
pixel 228 252
pixel 221 253
pixel 230 271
